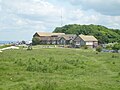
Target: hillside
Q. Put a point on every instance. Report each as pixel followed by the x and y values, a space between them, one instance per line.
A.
pixel 59 69
pixel 103 34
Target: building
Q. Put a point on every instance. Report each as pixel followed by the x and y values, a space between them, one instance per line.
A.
pixel 67 39
pixel 48 38
pixel 47 34
pixel 87 40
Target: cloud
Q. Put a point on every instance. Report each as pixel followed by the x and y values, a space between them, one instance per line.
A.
pixel 106 7
pixel 31 7
pixel 23 16
pixel 79 16
pixel 0 5
pixel 18 17
pixel 34 10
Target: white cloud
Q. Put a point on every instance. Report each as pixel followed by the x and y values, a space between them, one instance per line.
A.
pixel 32 7
pixel 107 7
pixel 0 5
pixel 28 16
pixel 80 16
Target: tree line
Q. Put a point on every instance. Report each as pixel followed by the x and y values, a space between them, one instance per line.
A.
pixel 102 33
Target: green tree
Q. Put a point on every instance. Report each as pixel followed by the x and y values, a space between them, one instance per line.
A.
pixel 103 34
pixel 23 42
pixel 116 47
pixel 99 49
pixel 35 40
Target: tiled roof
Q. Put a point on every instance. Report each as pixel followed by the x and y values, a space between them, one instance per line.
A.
pixel 49 34
pixel 88 38
pixel 69 36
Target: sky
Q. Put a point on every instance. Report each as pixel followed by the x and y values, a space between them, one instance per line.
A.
pixel 20 19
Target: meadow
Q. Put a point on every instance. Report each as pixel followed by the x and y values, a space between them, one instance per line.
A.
pixel 59 69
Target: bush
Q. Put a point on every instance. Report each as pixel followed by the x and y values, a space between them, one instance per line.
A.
pixel 36 40
pixel 29 47
pixel 114 56
pixel 119 74
pixel 116 47
pixel 99 49
pixel 85 47
pixel 109 47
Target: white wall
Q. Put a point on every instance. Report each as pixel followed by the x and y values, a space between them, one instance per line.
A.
pixel 77 43
pixel 89 43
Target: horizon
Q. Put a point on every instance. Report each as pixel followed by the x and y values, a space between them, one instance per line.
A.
pixel 20 19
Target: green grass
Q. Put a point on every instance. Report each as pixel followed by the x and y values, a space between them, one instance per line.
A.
pixel 4 46
pixel 59 69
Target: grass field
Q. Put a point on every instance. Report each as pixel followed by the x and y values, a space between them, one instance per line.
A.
pixel 59 69
pixel 4 46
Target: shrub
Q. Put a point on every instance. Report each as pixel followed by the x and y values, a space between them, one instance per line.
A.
pixel 113 62
pixel 119 74
pixel 29 47
pixel 109 47
pixel 85 47
pixel 114 56
pixel 82 67
pixel 116 47
pixel 99 49
pixel 36 40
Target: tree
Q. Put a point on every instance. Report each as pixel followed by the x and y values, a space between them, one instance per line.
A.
pixel 99 49
pixel 23 42
pixel 36 40
pixel 116 47
pixel 103 34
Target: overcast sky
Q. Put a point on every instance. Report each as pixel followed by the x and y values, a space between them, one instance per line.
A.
pixel 20 19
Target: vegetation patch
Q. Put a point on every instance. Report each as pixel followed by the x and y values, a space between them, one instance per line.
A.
pixel 59 69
